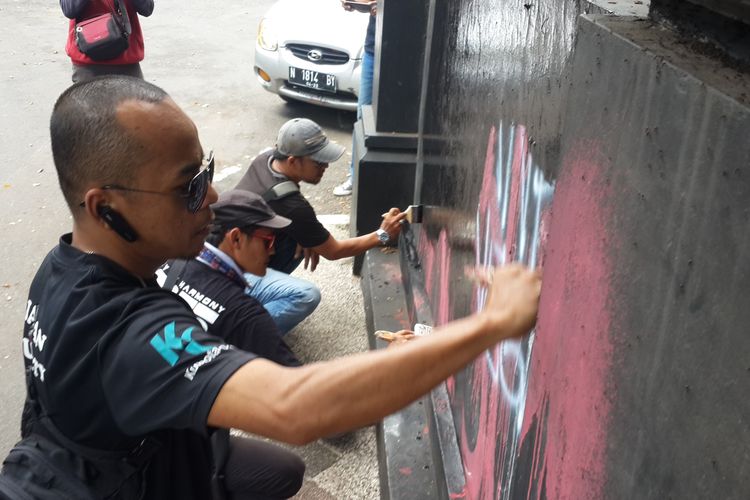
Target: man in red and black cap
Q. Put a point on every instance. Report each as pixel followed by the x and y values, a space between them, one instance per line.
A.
pixel 241 241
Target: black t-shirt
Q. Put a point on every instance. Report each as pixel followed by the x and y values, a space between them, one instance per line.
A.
pixel 224 309
pixel 305 228
pixel 114 359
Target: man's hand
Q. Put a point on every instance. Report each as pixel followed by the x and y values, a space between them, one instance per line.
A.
pixel 395 338
pixel 513 298
pixel 311 258
pixel 392 222
pixel 369 3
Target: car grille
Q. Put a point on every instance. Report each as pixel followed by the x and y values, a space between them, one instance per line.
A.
pixel 327 56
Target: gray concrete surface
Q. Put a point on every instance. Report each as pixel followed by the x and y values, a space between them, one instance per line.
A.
pixel 201 53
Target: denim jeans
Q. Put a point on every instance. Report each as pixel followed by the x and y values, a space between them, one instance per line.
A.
pixel 365 92
pixel 289 300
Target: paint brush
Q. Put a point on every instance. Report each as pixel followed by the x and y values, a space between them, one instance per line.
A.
pixel 395 337
pixel 413 214
pixel 420 330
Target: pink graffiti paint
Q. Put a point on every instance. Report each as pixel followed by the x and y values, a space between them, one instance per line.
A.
pixel 419 300
pixel 487 213
pixel 403 319
pixel 426 249
pixel 479 462
pixel 562 384
pixel 518 172
pixel 406 471
pixel 497 240
pixel 435 258
pixel 443 293
pixel 572 351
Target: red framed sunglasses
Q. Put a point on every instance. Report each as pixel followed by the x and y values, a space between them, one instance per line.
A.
pixel 268 239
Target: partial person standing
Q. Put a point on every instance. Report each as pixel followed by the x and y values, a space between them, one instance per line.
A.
pixel 365 86
pixel 126 63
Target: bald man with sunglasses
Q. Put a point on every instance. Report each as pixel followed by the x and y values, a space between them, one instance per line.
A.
pixel 114 361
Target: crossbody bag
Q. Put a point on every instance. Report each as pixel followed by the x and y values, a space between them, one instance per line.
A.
pixel 105 36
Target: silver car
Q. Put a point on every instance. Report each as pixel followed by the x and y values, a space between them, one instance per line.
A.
pixel 311 51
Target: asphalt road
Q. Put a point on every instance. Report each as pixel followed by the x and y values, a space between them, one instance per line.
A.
pixel 202 54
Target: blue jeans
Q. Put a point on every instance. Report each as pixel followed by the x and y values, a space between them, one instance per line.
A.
pixel 365 92
pixel 288 300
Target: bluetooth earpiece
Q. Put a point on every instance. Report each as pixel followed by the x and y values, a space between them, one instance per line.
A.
pixel 117 222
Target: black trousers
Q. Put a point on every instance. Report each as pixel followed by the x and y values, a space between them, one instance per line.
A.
pixel 259 470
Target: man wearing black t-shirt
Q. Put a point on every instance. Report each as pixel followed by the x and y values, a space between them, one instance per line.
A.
pixel 114 359
pixel 302 154
pixel 213 284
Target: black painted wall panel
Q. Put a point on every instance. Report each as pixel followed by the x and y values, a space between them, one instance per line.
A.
pixel 617 157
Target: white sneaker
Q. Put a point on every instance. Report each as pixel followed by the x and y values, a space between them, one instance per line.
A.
pixel 343 189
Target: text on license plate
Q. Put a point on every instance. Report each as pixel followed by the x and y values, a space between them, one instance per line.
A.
pixel 312 79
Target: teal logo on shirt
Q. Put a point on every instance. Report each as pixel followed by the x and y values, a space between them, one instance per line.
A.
pixel 170 345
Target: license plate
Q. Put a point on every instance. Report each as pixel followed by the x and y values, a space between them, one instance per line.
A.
pixel 312 79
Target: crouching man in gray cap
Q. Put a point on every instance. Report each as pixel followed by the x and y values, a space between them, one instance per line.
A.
pixel 213 284
pixel 302 154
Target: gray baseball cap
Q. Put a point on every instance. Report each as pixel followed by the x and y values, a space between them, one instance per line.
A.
pixel 303 137
pixel 240 208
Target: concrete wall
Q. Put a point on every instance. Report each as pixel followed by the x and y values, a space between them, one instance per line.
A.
pixel 607 151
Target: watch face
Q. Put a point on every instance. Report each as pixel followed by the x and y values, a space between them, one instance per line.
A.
pixel 383 236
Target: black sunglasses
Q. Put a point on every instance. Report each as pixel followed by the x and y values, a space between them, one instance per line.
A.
pixel 196 190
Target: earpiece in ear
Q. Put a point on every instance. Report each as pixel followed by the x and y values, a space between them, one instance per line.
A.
pixel 117 222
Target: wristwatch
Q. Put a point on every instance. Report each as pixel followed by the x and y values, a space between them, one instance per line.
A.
pixel 383 236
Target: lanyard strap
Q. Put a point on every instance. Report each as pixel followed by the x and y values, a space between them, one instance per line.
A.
pixel 215 262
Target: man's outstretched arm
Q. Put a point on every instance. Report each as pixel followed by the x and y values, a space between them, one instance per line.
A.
pixel 333 249
pixel 298 405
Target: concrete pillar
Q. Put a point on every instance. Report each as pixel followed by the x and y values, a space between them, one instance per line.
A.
pixel 385 140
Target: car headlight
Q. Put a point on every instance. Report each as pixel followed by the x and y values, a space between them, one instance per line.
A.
pixel 267 35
